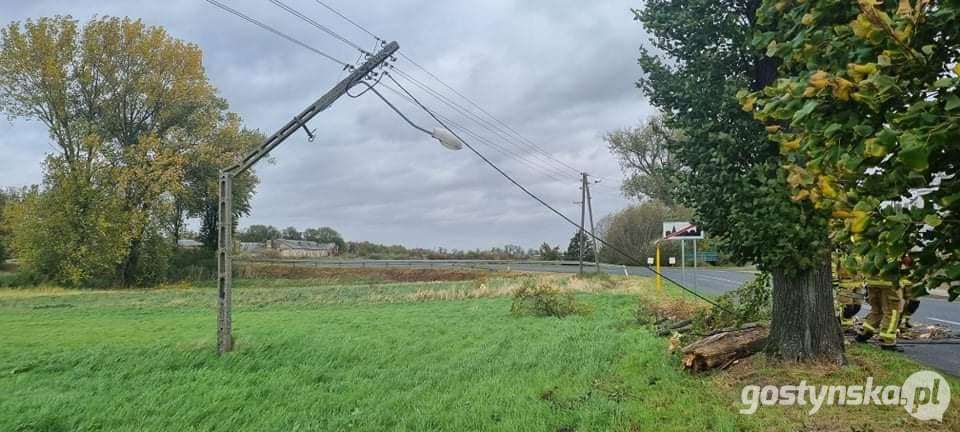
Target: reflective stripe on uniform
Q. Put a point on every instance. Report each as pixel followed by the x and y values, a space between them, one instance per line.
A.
pixel 892 327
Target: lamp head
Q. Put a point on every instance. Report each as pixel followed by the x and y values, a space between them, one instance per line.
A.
pixel 447 138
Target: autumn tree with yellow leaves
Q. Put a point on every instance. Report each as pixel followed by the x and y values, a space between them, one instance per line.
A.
pixel 867 117
pixel 138 130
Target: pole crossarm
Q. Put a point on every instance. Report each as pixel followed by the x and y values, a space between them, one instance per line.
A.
pixel 324 102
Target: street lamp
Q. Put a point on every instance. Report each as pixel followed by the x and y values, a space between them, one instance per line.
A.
pixel 447 138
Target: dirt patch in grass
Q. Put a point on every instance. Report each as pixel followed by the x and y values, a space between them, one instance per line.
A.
pixel 255 271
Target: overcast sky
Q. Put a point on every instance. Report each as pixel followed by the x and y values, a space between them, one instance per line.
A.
pixel 561 73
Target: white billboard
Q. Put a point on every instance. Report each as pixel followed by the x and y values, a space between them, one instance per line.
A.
pixel 681 231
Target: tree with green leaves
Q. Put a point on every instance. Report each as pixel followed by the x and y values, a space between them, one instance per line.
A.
pixel 9 198
pixel 549 253
pixel 645 159
pixel 573 249
pixel 867 116
pixel 69 232
pixel 291 233
pixel 325 235
pixel 259 233
pixel 635 229
pixel 731 174
pixel 128 107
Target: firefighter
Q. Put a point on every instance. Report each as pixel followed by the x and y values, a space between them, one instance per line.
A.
pixel 910 303
pixel 884 296
pixel 850 293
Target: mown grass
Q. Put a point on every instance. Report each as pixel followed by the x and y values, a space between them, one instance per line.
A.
pixel 315 355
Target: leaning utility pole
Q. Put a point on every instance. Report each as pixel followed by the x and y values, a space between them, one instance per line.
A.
pixel 593 228
pixel 225 206
pixel 583 207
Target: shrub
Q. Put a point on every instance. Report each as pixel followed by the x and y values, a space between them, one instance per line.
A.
pixel 19 279
pixel 751 302
pixel 643 314
pixel 192 265
pixel 540 299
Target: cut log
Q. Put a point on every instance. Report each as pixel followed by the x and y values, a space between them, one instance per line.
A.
pixel 669 327
pixel 722 349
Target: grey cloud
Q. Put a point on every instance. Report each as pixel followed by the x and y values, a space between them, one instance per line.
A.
pixel 561 72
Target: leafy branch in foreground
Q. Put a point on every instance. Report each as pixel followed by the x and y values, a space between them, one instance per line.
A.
pixel 867 118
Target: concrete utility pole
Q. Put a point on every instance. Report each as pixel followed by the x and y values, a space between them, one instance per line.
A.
pixel 225 206
pixel 583 215
pixel 593 228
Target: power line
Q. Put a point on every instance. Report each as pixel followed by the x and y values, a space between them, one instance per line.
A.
pixel 319 26
pixel 479 137
pixel 553 171
pixel 277 32
pixel 446 101
pixel 548 206
pixel 437 118
pixel 480 121
pixel 355 24
pixel 536 148
pixel 529 142
pixel 294 12
pixel 459 109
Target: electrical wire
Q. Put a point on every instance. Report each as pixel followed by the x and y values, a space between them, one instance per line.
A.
pixel 483 123
pixel 502 125
pixel 346 66
pixel 479 137
pixel 355 24
pixel 529 142
pixel 548 206
pixel 442 123
pixel 550 168
pixel 371 87
pixel 319 26
pixel 533 163
pixel 277 32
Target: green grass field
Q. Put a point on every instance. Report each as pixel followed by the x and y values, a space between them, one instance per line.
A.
pixel 321 356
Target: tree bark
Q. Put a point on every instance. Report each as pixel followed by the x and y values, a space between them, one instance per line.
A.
pixel 804 327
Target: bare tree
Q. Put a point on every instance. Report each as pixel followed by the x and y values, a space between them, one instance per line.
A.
pixel 644 158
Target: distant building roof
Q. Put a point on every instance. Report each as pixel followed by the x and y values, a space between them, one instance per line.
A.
pixel 303 244
pixel 251 246
pixel 188 243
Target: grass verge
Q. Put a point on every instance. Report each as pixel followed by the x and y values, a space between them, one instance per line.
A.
pixel 353 355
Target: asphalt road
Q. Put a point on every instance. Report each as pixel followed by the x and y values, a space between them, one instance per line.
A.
pixel 709 281
pixel 935 311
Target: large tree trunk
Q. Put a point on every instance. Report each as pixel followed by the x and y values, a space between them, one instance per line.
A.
pixel 804 327
pixel 128 269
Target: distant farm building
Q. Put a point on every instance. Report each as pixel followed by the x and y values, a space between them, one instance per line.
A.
pixel 252 247
pixel 302 248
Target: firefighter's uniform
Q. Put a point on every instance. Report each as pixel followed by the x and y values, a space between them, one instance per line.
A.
pixel 884 296
pixel 850 295
pixel 910 303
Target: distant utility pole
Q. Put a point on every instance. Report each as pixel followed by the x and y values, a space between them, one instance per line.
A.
pixel 583 215
pixel 593 228
pixel 225 208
